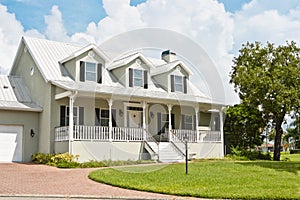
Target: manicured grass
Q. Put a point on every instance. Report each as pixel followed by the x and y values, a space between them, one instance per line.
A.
pixel 210 179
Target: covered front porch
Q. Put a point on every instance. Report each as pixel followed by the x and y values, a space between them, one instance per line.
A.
pixel 142 124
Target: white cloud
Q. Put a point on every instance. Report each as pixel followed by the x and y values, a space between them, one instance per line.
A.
pixel 55 28
pixel 11 31
pixel 263 21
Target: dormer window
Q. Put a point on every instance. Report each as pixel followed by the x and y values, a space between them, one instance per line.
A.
pixel 178 84
pixel 90 72
pixel 138 78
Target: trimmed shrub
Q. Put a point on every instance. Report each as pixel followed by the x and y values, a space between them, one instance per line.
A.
pixel 241 154
pixel 92 164
pixel 41 158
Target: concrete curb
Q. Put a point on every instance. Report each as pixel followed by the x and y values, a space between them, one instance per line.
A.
pixel 41 196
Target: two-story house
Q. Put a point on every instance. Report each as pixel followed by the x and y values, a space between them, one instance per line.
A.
pixel 69 98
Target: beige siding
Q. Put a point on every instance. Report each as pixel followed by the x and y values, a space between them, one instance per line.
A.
pixel 29 120
pixel 107 150
pixel 40 92
pixel 206 150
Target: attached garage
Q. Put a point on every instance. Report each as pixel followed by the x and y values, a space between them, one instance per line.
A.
pixel 11 143
pixel 19 121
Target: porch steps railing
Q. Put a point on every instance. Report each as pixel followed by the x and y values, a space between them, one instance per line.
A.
pixel 152 146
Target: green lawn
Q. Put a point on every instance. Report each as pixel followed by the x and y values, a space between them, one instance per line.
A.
pixel 211 179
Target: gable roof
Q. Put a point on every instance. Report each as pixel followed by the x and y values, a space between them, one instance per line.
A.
pixel 127 59
pixel 46 55
pixel 83 50
pixel 169 66
pixel 15 96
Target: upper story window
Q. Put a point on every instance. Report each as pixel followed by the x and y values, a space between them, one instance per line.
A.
pixel 178 84
pixel 90 72
pixel 138 78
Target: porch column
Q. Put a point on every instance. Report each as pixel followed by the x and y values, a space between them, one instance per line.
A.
pixel 170 120
pixel 221 130
pixel 197 123
pixel 144 104
pixel 110 102
pixel 71 120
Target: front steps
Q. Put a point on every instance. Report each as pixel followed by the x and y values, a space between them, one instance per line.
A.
pixel 168 153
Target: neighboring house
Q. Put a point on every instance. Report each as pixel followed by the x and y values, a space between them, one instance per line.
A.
pixel 69 98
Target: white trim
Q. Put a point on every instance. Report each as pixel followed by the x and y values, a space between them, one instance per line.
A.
pixel 83 50
pixel 167 67
pixel 63 95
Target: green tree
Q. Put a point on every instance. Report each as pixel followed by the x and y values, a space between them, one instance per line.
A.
pixel 268 77
pixel 243 126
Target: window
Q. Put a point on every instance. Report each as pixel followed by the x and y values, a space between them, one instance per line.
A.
pixel 102 117
pixel 163 122
pixel 178 84
pixel 78 115
pixel 138 78
pixel 188 122
pixel 90 72
pixel 75 115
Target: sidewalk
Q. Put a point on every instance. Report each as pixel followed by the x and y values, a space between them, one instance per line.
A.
pixel 40 182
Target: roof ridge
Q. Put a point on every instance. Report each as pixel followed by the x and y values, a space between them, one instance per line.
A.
pixel 126 56
pixel 55 41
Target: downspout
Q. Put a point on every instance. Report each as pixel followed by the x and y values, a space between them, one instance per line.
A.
pixel 71 120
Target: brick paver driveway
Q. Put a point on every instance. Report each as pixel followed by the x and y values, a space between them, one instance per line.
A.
pixel 20 179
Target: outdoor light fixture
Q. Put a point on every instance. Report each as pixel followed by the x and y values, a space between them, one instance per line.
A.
pixel 32 133
pixel 151 115
pixel 121 113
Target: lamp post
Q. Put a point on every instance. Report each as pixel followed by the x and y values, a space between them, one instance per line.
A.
pixel 186 154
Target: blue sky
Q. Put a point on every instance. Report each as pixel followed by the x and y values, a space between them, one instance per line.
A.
pixel 31 12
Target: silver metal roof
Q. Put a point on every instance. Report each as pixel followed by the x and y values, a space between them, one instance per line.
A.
pixel 14 95
pixel 94 88
pixel 47 55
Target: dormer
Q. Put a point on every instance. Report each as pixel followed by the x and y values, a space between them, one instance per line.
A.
pixel 86 65
pixel 132 70
pixel 173 75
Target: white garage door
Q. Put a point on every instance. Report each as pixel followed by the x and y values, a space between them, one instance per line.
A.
pixel 11 143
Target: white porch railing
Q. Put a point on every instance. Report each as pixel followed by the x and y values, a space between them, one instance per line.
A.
pixel 210 136
pixel 62 133
pixel 204 136
pixel 127 134
pixel 100 133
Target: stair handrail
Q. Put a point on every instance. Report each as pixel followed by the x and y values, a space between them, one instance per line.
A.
pixel 150 138
pixel 179 141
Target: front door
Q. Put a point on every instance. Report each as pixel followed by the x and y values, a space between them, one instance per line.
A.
pixel 134 119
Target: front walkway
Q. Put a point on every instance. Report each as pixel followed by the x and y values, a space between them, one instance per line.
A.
pixel 30 180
